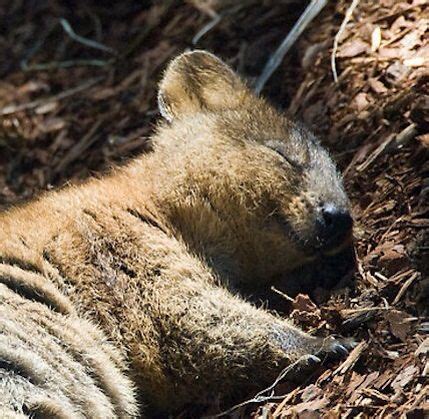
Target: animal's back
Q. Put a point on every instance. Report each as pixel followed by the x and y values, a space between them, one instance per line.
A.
pixel 54 363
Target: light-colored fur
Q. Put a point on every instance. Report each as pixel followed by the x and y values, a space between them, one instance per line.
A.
pixel 155 255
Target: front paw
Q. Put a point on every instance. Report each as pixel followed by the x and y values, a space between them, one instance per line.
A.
pixel 322 348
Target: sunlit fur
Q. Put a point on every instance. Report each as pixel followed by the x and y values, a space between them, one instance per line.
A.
pixel 155 255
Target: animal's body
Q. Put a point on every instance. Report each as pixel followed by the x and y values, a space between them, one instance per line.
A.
pixel 127 287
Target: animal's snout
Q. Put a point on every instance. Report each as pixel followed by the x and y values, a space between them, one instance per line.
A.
pixel 335 225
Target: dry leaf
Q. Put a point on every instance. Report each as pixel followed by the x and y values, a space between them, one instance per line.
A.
pixel 375 39
pixel 411 40
pixel 361 101
pixel 305 311
pixel 423 348
pixel 398 324
pixel 309 407
pixel 397 72
pixel 415 62
pixel 353 48
pixel 302 302
pixel 424 139
pixel 404 377
pixel 377 86
pixel 311 392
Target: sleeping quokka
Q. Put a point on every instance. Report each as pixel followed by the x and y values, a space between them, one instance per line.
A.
pixel 125 291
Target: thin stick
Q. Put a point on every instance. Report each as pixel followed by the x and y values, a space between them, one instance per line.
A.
pixel 53 65
pixel 11 109
pixel 216 18
pixel 78 149
pixel 206 28
pixel 352 358
pixel 312 10
pixel 259 397
pixel 339 34
pixel 285 296
pixel 404 288
pixel 85 41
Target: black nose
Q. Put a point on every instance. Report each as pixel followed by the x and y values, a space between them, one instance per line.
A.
pixel 336 224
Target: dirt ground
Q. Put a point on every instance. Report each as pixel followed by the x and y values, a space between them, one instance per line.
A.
pixel 71 107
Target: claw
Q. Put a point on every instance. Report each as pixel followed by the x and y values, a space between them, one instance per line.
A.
pixel 340 349
pixel 337 346
pixel 302 367
pixel 315 359
pixel 352 343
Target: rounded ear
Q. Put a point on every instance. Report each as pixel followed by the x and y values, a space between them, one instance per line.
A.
pixel 198 81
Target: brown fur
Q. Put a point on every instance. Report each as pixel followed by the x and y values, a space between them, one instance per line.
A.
pixel 155 254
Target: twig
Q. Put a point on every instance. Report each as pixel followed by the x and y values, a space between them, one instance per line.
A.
pixel 285 296
pixel 35 48
pixel 312 10
pixel 11 109
pixel 51 65
pixel 82 40
pixel 216 18
pixel 348 312
pixel 206 28
pixel 404 288
pixel 259 397
pixel 153 21
pixel 396 13
pixel 282 404
pixel 354 355
pixel 390 144
pixel 78 149
pixel 340 32
pixel 405 136
pixel 66 63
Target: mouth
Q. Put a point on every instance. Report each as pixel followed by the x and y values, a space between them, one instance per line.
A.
pixel 318 244
pixel 323 248
pixel 338 247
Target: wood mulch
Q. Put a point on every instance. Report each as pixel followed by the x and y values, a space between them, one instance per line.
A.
pixel 78 94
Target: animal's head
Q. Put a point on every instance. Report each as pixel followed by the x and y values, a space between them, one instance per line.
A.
pixel 247 181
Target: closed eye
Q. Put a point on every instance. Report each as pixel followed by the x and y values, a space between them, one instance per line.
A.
pixel 279 150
